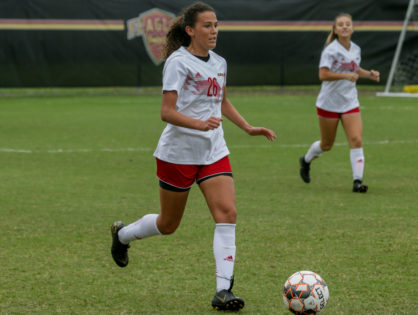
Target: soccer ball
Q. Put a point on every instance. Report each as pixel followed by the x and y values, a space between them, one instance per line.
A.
pixel 305 292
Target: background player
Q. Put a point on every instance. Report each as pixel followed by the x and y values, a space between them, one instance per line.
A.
pixel 339 70
pixel 192 146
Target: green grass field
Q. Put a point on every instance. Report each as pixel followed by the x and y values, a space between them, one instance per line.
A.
pixel 74 161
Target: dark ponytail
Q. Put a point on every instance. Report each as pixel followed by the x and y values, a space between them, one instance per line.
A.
pixel 177 36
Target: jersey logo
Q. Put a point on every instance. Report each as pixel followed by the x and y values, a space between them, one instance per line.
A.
pixel 349 66
pixel 345 66
pixel 152 26
pixel 197 75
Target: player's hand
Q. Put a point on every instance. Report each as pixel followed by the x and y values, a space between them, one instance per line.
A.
pixel 211 123
pixel 353 77
pixel 261 131
pixel 375 75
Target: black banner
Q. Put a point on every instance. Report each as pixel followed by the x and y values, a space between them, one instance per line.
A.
pixel 117 43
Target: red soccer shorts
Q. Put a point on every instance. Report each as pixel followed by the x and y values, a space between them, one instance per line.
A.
pixel 332 115
pixel 180 177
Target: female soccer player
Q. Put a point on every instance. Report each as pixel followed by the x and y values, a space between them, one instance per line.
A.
pixel 192 147
pixel 339 70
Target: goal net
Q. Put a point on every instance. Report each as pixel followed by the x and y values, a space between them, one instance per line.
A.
pixel 403 76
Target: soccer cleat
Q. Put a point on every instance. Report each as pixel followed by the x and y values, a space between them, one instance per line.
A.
pixel 119 251
pixel 304 169
pixel 359 187
pixel 225 300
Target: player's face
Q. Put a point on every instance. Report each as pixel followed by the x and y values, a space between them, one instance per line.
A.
pixel 205 32
pixel 344 27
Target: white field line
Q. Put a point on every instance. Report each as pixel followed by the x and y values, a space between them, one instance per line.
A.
pixel 238 146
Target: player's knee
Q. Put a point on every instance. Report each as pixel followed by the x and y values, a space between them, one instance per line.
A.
pixel 232 216
pixel 356 142
pixel 229 215
pixel 167 228
pixel 326 146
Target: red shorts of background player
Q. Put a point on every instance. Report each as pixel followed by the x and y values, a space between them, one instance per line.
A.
pixel 332 115
pixel 181 177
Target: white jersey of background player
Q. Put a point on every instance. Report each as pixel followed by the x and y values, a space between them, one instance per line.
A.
pixel 201 83
pixel 339 96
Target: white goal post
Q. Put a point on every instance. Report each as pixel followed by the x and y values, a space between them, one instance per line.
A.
pixel 395 63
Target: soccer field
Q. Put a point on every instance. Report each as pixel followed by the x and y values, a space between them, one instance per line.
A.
pixel 74 161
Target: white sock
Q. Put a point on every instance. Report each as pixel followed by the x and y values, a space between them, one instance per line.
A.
pixel 224 251
pixel 144 227
pixel 357 163
pixel 313 152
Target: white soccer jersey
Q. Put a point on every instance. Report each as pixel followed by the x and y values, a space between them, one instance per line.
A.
pixel 199 87
pixel 339 96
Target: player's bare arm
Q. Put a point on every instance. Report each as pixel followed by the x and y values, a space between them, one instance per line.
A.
pixel 230 112
pixel 326 75
pixel 372 74
pixel 170 114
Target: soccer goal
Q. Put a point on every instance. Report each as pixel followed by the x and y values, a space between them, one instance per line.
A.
pixel 404 69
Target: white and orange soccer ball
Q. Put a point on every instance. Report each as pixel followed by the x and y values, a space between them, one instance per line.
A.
pixel 305 292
